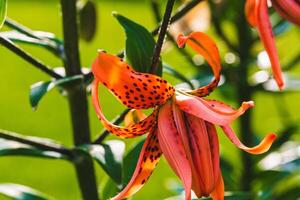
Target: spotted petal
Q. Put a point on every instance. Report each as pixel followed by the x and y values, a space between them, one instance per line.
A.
pixel 264 145
pixel 147 161
pixel 203 109
pixel 266 34
pixel 172 147
pixel 206 47
pixel 134 89
pixel 133 130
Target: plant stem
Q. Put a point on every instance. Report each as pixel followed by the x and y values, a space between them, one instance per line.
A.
pixel 244 92
pixel 29 58
pixel 116 121
pixel 180 13
pixel 46 146
pixel 161 36
pixel 78 101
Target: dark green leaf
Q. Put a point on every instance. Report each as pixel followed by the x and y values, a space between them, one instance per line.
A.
pixel 109 156
pixel 12 148
pixel 87 11
pixel 130 161
pixel 21 192
pixel 109 189
pixel 169 70
pixel 139 45
pixel 38 90
pixel 3 8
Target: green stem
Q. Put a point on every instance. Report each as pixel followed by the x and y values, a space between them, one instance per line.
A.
pixel 161 37
pixel 78 101
pixel 245 92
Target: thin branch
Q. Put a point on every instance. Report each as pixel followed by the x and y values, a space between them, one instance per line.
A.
pixel 46 146
pixel 116 121
pixel 161 37
pixel 29 58
pixel 182 51
pixel 180 13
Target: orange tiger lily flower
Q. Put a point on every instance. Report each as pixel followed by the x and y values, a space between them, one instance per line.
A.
pixel 182 125
pixel 257 16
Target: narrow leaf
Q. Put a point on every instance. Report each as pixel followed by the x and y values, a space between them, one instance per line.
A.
pixel 169 70
pixel 109 156
pixel 139 45
pixel 12 148
pixel 3 8
pixel 21 192
pixel 38 90
pixel 109 189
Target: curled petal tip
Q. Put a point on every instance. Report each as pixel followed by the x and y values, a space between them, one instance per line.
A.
pixel 181 40
pixel 247 104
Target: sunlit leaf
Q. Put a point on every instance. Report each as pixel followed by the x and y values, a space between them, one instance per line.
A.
pixel 110 156
pixel 139 45
pixel 130 161
pixel 12 148
pixel 21 192
pixel 38 90
pixel 87 11
pixel 3 8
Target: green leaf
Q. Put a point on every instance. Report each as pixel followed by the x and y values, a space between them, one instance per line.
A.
pixel 87 11
pixel 21 192
pixel 38 90
pixel 109 189
pixel 139 45
pixel 3 8
pixel 169 70
pixel 109 156
pixel 130 161
pixel 13 148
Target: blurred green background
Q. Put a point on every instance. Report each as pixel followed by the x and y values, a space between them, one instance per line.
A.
pixel 51 119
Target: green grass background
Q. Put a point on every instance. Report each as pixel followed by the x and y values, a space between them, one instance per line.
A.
pixel 57 178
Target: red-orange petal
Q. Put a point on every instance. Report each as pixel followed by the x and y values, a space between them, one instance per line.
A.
pixel 250 11
pixel 266 34
pixel 263 147
pixel 218 193
pixel 134 89
pixel 288 9
pixel 205 46
pixel 172 147
pixel 147 162
pixel 133 130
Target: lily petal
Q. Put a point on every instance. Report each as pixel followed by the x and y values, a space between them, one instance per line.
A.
pixel 218 193
pixel 133 130
pixel 172 147
pixel 288 9
pixel 203 109
pixel 180 123
pixel 206 47
pixel 264 145
pixel 134 89
pixel 250 11
pixel 149 158
pixel 202 155
pixel 266 34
